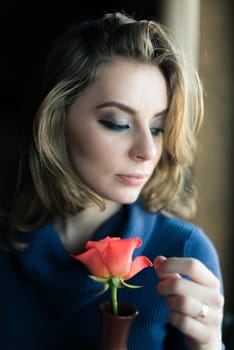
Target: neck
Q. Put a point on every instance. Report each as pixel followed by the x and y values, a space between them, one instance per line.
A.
pixel 75 231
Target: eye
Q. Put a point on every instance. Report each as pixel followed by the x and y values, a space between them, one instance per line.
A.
pixel 114 126
pixel 156 131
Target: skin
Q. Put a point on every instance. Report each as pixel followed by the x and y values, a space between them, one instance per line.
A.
pixel 112 159
pixel 185 299
pixel 114 135
pixel 114 130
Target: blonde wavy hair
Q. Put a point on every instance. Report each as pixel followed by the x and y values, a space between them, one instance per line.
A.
pixel 76 61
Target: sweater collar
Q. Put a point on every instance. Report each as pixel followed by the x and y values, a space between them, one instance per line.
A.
pixel 47 264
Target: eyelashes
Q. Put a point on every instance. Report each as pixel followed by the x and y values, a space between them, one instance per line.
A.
pixel 124 127
pixel 114 126
pixel 157 131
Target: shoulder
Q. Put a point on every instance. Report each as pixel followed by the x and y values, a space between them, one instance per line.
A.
pixel 178 224
pixel 172 236
pixel 182 230
pixel 168 225
pixel 190 241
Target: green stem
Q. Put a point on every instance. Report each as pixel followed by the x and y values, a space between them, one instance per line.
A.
pixel 114 298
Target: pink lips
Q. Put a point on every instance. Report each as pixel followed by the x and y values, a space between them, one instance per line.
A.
pixel 131 179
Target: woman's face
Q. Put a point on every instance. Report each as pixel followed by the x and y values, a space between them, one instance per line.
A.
pixel 114 131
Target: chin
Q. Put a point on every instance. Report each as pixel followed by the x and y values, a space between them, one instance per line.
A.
pixel 121 197
pixel 126 199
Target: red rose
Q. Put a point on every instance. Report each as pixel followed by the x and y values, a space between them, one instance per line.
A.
pixel 112 257
pixel 110 263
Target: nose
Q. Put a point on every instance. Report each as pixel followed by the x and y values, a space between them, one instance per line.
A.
pixel 144 147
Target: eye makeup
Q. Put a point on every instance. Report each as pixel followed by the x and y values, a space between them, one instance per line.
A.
pixel 114 121
pixel 114 126
pixel 157 126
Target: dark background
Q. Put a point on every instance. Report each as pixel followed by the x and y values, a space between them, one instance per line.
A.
pixel 27 31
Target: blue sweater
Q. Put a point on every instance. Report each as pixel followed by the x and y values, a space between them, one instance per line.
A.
pixel 48 302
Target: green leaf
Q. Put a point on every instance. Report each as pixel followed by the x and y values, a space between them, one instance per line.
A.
pixel 105 288
pixel 99 279
pixel 104 281
pixel 129 285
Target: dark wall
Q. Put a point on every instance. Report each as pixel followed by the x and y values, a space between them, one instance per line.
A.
pixel 27 31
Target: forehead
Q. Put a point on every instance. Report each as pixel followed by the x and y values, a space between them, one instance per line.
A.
pixel 129 82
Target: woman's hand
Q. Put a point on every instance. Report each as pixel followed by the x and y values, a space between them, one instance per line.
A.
pixel 196 305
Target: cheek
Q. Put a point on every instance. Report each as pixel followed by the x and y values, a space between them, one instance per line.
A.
pixel 88 147
pixel 79 149
pixel 159 147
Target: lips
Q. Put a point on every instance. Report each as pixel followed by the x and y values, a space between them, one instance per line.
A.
pixel 132 179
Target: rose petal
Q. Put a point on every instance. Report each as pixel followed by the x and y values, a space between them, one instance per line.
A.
pixel 140 263
pixel 102 244
pixel 93 260
pixel 118 255
pixel 112 257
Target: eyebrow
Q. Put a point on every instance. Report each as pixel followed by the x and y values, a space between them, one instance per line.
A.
pixel 128 109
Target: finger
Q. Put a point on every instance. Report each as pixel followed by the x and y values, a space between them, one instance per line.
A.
pixel 191 267
pixel 188 288
pixel 192 307
pixel 184 305
pixel 198 331
pixel 163 275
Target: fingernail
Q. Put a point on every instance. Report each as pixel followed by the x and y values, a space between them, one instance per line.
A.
pixel 158 260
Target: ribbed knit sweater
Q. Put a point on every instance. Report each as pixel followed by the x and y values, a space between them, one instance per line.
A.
pixel 48 302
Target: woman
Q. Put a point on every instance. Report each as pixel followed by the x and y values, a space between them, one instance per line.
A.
pixel 113 141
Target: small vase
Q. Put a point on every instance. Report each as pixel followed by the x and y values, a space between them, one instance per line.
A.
pixel 115 329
